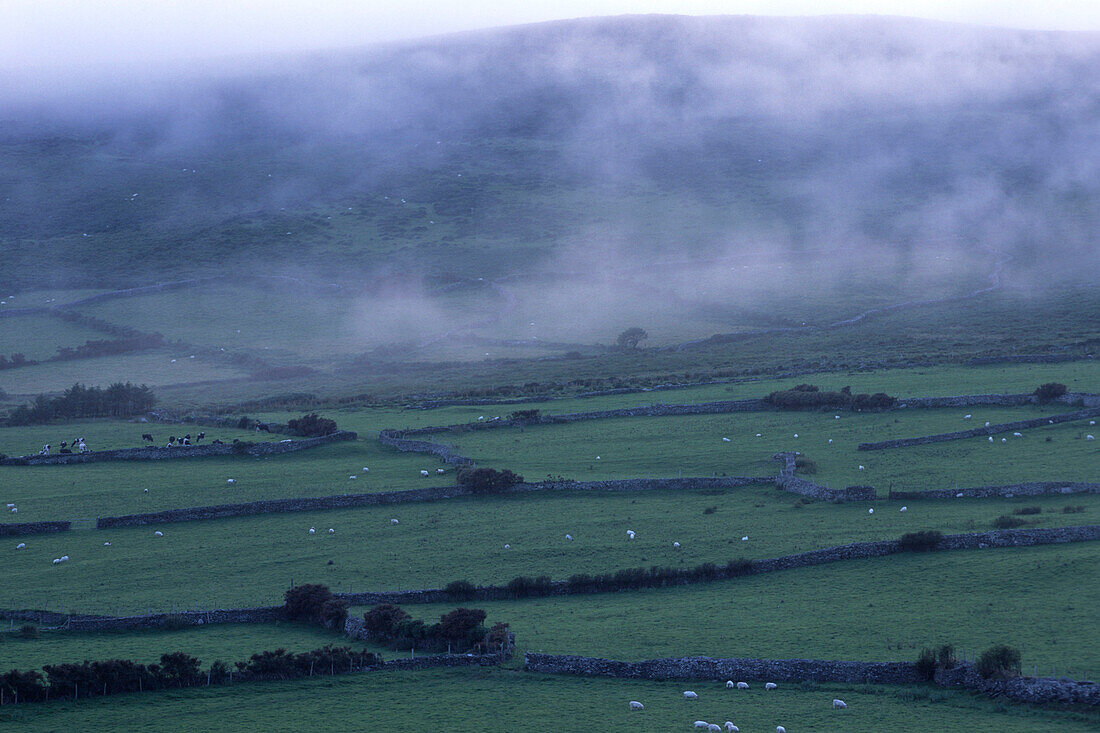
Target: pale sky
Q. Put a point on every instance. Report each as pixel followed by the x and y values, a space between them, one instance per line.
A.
pixel 78 33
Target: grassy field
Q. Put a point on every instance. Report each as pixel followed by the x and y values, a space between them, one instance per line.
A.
pixel 472 701
pixel 38 337
pixel 436 543
pixel 852 610
pixel 227 642
pixel 154 368
pixel 693 446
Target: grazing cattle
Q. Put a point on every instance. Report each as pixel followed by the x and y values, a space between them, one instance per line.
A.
pixel 147 437
pixel 262 427
pixel 45 450
pixel 200 436
pixel 216 442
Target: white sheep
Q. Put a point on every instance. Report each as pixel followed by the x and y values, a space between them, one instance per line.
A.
pixel 331 530
pixel 635 705
pixel 714 728
pixel 569 537
pixel 630 534
pixel 780 729
pixel 353 476
pixel 689 695
pixel 745 538
pixel 597 458
pixel 861 468
pixel 158 533
pixel 1092 422
pixel 904 509
pixel 1017 435
pixel 106 544
pixel 145 491
pixel 699 723
pixel 507 547
pixel 967 417
pixel 21 546
pixel 1004 440
pixel 796 435
pixel 990 438
pixel 394 521
pixel 731 728
pixel 725 440
pixel 366 470
pixel 729 684
pixel 15 510
pixel 57 561
pixel 742 685
pixel 770 686
pixel 231 481
pixel 441 470
pixel 312 530
pixel 758 435
pixel 64 558
pixel 423 472
pixel 830 441
pixel 959 495
pixel 987 423
pixel 836 417
pixel 1090 437
pixel 871 511
pixel 676 545
pixel 839 704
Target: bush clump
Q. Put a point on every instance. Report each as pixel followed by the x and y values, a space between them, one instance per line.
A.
pixel 999 662
pixel 487 480
pixel 460 590
pixel 923 541
pixel 1007 521
pixel 315 604
pixel 524 416
pixel 805 465
pixel 1028 510
pixel 926 664
pixel 809 397
pixel 28 631
pixel 458 631
pixel 1049 392
pixel 311 426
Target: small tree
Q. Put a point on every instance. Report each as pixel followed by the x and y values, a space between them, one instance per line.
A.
pixel 487 480
pixel 307 603
pixel 631 337
pixel 311 426
pixel 383 620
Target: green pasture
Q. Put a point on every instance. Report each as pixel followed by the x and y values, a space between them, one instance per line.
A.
pixel 148 367
pixel 38 336
pixel 482 700
pixel 1041 600
pixel 117 487
pixel 227 642
pixel 248 561
pixel 692 445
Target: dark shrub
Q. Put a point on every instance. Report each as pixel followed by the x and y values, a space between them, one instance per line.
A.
pixel 524 416
pixel 926 664
pixel 307 603
pixel 462 625
pixel 999 662
pixel 487 480
pixel 382 621
pixel 922 541
pixel 241 447
pixel 461 590
pixel 738 567
pixel 311 426
pixel 179 669
pixel 1006 521
pixel 710 510
pixel 805 465
pixel 175 622
pixel 581 582
pixel 809 397
pixel 1073 509
pixel 945 656
pixel 1028 510
pixel 334 612
pixel 1050 391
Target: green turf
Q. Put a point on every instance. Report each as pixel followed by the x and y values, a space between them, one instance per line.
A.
pixel 38 337
pixel 227 642
pixel 248 561
pixel 876 609
pixel 472 701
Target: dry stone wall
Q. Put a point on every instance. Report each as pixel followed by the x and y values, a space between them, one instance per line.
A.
pixel 1034 690
pixel 24 528
pixel 982 431
pixel 1031 488
pixel 153 453
pixel 788 481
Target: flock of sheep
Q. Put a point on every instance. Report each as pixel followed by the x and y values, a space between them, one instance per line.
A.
pixel 729 725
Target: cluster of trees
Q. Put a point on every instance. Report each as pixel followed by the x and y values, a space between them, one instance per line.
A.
pixel 17 359
pixel 115 676
pixel 78 401
pixel 315 604
pixel 809 397
pixel 458 631
pixel 311 426
pixel 487 480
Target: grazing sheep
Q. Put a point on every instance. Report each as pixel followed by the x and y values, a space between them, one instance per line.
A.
pixel 796 435
pixel 14 510
pixel 729 684
pixel 1090 437
pixel 725 440
pixel 742 685
pixel 1017 435
pixel 830 441
pixel 231 481
pixel 106 544
pixel 158 533
pixel 870 511
pixel 714 728
pixel 731 728
pixel 780 729
pixel 689 695
pixel 990 438
pixel 331 530
pixel 987 423
pixel 836 417
pixel 676 545
pixel 441 470
pixel 959 495
pixel 861 468
pixel 145 491
pixel 630 533
pixel 699 723
pixel 21 546
pixel 353 476
pixel 507 547
pixel 1092 422
pixel 770 686
pixel 967 417
pixel 745 538
pixel 569 537
pixel 635 705
pixel 758 435
pixel 64 558
pixel 904 509
pixel 423 473
pixel 394 521
pixel 312 530
pixel 1004 440
pixel 57 561
pixel 597 458
pixel 839 704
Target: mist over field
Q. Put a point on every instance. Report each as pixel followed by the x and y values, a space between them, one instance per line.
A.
pixel 608 172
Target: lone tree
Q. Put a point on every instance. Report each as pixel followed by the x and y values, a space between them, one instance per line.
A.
pixel 630 338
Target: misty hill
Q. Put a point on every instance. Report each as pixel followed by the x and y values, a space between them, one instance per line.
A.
pixel 514 151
